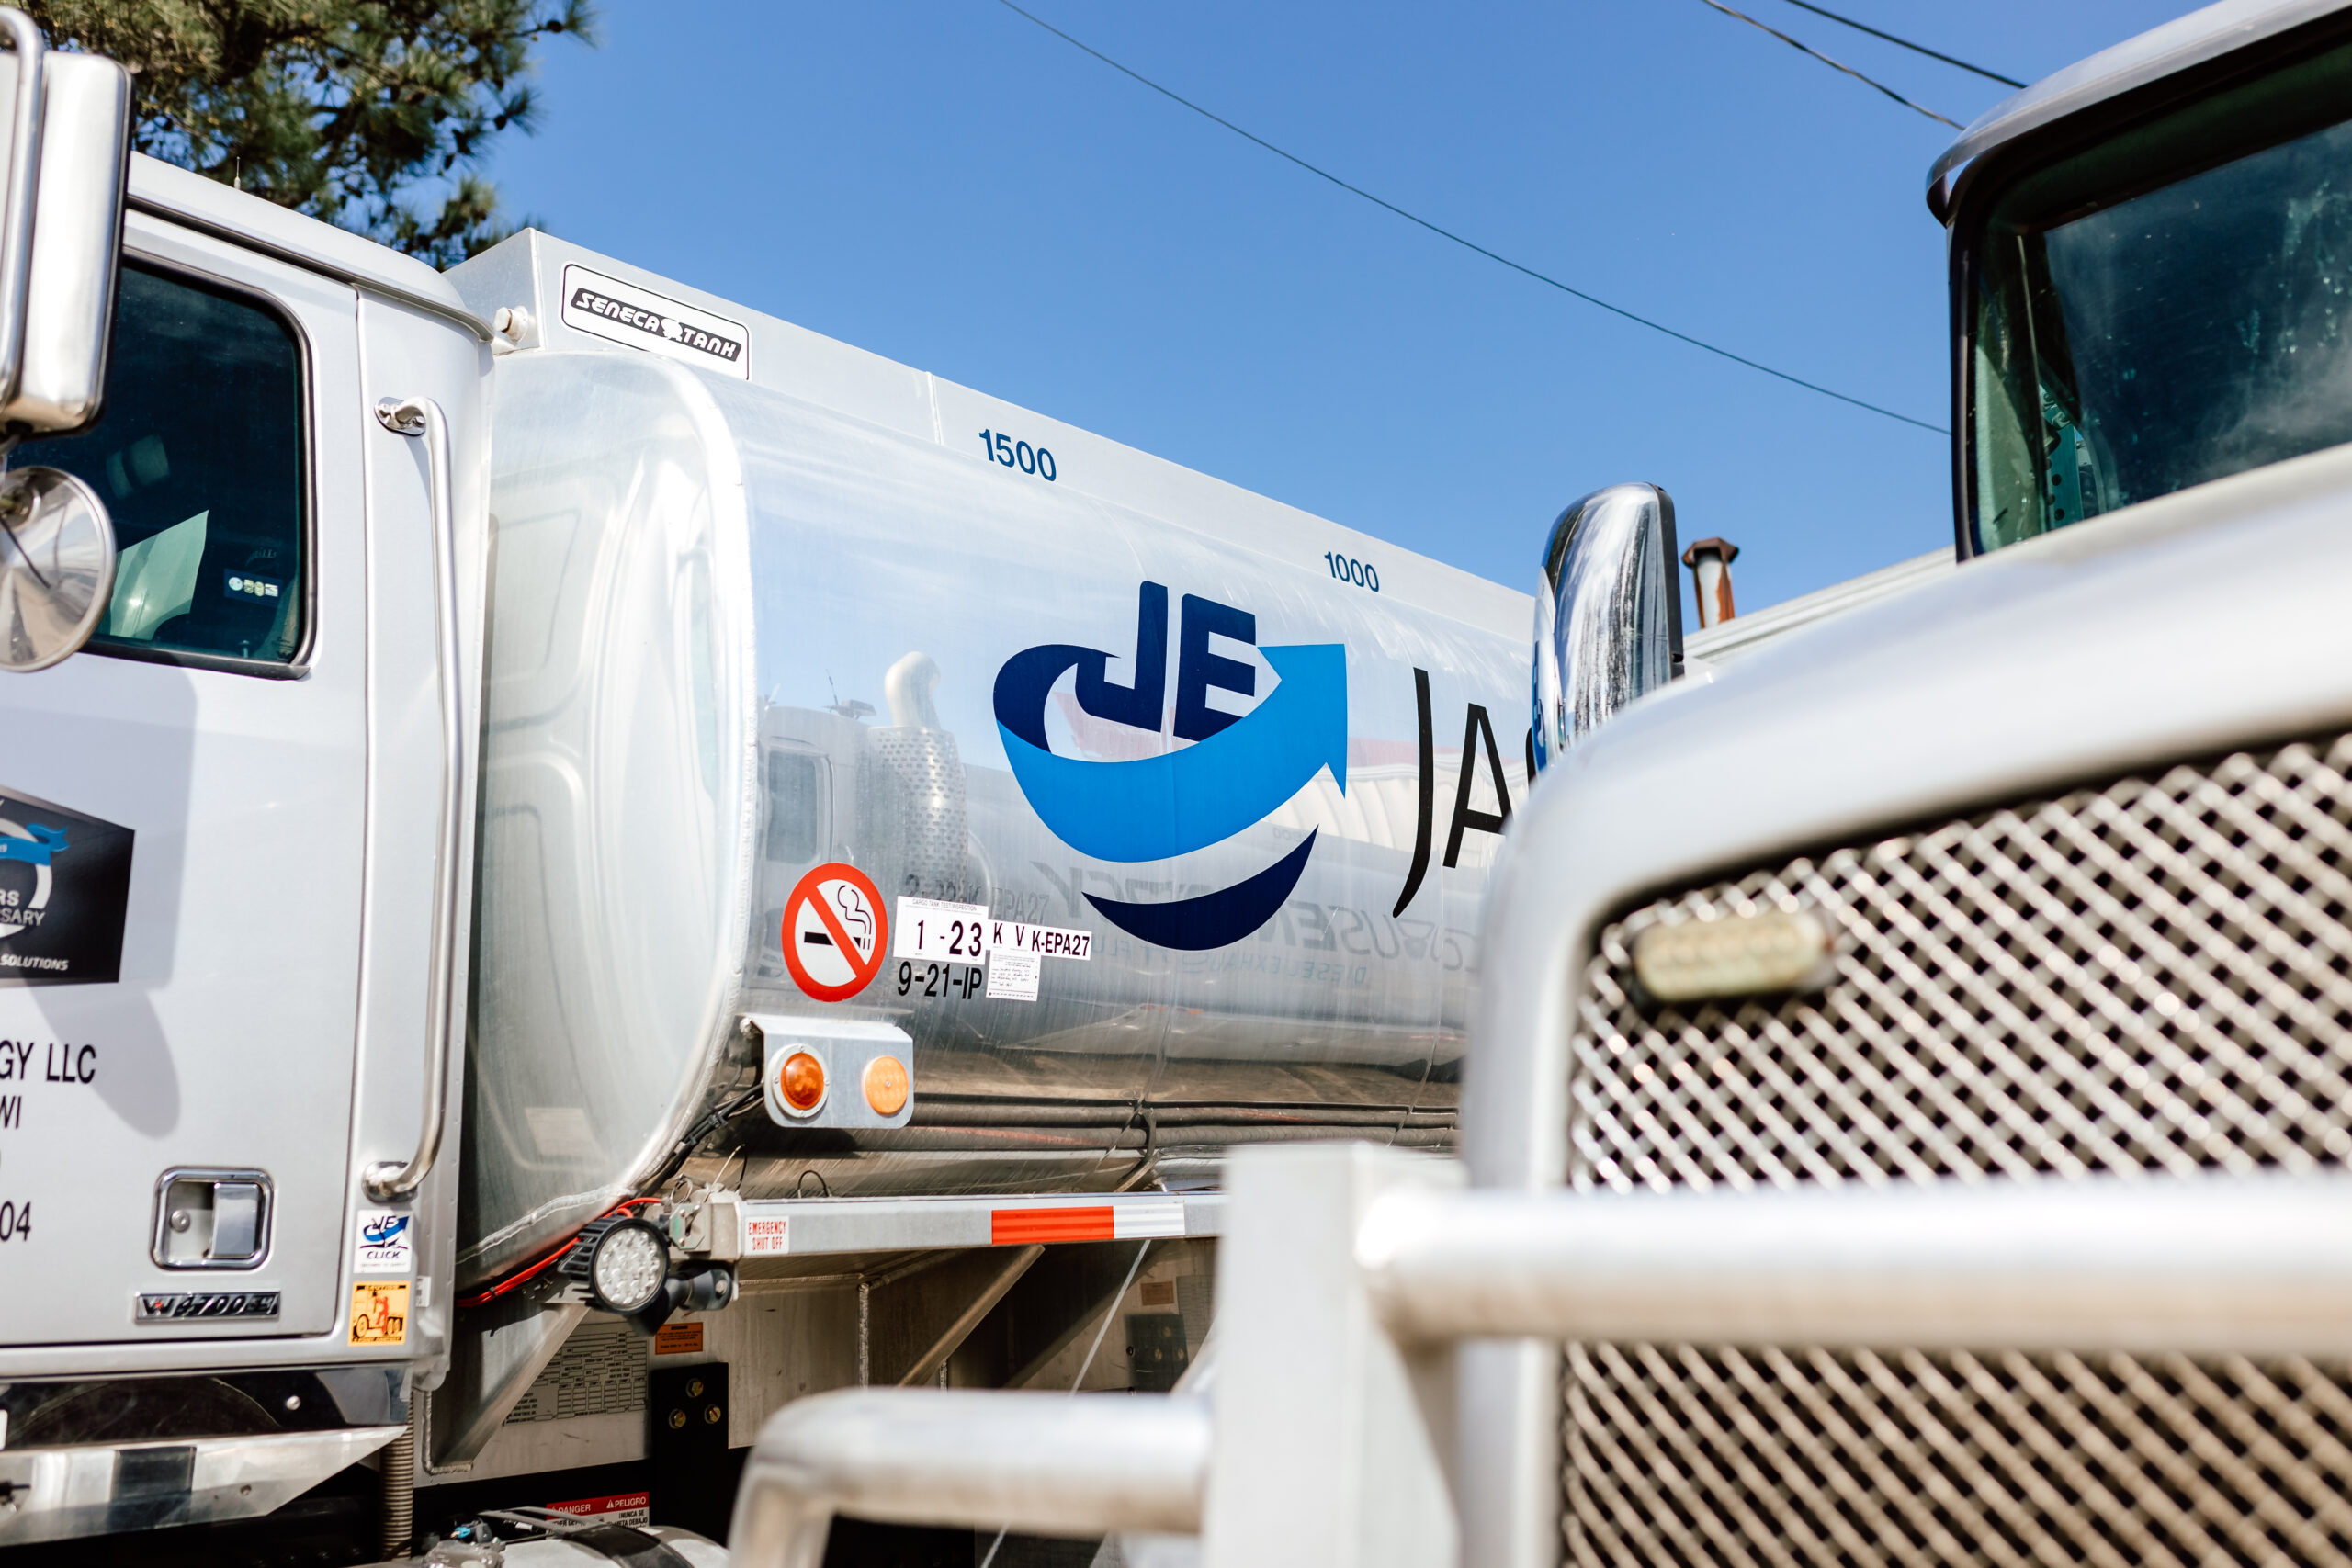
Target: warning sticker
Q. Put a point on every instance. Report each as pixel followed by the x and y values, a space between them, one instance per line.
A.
pixel 678 1339
pixel 64 888
pixel 638 317
pixel 380 1313
pixel 631 1508
pixel 765 1238
pixel 835 933
pixel 1012 974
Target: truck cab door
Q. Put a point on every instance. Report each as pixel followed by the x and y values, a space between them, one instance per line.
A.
pixel 182 817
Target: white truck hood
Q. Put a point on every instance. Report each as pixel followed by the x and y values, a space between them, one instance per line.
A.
pixel 2196 624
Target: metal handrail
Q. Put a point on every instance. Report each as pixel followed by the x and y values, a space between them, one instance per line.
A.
pixel 1056 1464
pixel 387 1181
pixel 16 218
pixel 2250 1265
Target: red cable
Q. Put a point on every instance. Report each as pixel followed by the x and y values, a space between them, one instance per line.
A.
pixel 512 1280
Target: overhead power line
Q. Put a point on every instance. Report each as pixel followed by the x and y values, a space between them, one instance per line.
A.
pixel 1833 64
pixel 1906 43
pixel 1444 234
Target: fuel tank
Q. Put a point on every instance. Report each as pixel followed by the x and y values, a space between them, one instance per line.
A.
pixel 760 669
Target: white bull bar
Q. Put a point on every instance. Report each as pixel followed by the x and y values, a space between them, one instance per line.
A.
pixel 1349 1427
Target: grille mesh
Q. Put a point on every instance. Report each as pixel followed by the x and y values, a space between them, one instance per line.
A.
pixel 1682 1456
pixel 2155 974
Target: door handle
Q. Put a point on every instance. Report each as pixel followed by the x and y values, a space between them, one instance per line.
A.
pixel 388 1181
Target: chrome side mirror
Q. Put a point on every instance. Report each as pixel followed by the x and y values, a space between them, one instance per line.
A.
pixel 65 150
pixel 57 562
pixel 67 155
pixel 1608 612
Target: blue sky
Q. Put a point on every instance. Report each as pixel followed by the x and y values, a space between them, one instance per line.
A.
pixel 943 182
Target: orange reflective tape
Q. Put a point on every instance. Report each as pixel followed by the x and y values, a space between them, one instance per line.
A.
pixel 1019 1227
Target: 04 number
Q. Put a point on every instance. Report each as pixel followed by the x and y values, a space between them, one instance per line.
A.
pixel 16 1220
pixel 1020 454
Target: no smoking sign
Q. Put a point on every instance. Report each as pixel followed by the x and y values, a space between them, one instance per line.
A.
pixel 835 933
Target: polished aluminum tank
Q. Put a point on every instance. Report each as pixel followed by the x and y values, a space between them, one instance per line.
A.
pixel 737 635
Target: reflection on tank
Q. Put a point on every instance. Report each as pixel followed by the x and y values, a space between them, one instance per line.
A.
pixel 738 638
pixel 1339 1012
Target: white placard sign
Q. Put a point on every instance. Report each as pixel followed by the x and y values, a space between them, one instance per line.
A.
pixel 932 927
pixel 1012 974
pixel 1042 942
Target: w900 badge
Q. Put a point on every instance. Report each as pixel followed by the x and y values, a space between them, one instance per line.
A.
pixel 64 888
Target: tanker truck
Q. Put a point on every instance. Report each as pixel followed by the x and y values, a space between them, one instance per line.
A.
pixel 577 860
pixel 1907 1115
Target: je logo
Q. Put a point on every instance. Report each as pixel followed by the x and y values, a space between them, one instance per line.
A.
pixel 1236 772
pixel 386 1244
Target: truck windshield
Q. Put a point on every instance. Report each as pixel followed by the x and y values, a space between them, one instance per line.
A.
pixel 2171 306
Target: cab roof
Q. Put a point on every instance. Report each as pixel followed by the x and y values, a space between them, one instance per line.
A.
pixel 2179 45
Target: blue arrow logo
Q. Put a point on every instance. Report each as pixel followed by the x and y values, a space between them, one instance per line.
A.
pixel 45 842
pixel 383 1228
pixel 1159 807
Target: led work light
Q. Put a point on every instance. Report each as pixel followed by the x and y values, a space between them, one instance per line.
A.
pixel 622 1261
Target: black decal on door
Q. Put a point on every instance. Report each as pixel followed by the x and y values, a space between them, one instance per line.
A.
pixel 64 889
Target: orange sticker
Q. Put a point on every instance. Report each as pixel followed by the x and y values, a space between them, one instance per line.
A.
pixel 380 1313
pixel 678 1339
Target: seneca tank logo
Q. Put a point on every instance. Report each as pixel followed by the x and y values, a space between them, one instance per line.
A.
pixel 1238 771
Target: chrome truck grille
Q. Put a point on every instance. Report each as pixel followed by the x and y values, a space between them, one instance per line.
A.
pixel 2154 974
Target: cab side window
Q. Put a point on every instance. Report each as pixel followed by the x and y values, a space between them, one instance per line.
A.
pixel 199 457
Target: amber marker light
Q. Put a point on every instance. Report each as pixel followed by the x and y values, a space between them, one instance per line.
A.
pixel 800 1083
pixel 885 1084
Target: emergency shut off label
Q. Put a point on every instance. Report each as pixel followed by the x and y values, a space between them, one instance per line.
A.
pixel 64 889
